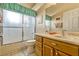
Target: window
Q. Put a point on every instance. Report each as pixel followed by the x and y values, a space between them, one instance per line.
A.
pixel 12 19
pixel 48 25
pixel 12 27
pixel 17 27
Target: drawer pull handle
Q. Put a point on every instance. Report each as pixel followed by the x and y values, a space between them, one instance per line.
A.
pixel 56 54
pixel 54 44
pixel 51 52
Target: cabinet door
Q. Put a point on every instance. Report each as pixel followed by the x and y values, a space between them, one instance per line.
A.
pixel 47 51
pixel 38 51
pixel 59 53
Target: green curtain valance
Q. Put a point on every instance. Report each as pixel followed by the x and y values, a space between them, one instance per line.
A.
pixel 48 17
pixel 18 8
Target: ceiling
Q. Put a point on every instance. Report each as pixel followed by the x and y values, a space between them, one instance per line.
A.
pixel 61 7
pixel 28 5
pixel 36 6
pixel 51 8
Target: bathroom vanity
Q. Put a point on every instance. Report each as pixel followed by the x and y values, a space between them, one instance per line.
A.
pixel 53 45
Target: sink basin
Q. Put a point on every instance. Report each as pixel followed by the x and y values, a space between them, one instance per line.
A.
pixel 60 36
pixel 64 37
pixel 52 33
pixel 67 37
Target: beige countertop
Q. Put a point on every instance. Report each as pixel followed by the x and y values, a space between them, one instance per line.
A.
pixel 68 38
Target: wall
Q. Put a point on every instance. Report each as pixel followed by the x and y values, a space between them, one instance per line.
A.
pixel 1 30
pixel 71 20
pixel 40 21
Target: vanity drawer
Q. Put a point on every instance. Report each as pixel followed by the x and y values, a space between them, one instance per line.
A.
pixel 38 38
pixel 38 44
pixel 38 50
pixel 64 47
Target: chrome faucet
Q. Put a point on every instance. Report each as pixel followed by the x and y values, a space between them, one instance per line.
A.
pixel 46 31
pixel 63 32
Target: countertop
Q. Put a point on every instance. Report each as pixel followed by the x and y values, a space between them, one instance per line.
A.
pixel 68 38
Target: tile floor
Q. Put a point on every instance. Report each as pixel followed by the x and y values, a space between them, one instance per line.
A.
pixel 24 53
pixel 17 49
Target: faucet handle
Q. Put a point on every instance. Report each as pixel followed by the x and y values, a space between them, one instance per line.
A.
pixel 65 30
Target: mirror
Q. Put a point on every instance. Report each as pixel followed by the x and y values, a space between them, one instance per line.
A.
pixel 64 16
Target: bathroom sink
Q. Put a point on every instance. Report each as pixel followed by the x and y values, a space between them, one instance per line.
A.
pixel 67 37
pixel 64 37
pixel 52 33
pixel 60 36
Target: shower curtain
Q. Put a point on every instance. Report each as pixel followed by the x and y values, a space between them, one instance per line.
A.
pixel 17 27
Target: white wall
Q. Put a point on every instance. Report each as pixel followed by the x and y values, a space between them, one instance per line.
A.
pixel 40 22
pixel 71 20
pixel 1 30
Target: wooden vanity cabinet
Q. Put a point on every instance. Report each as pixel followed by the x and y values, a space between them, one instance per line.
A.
pixel 65 48
pixel 47 50
pixel 38 51
pixel 59 53
pixel 51 47
pixel 38 46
